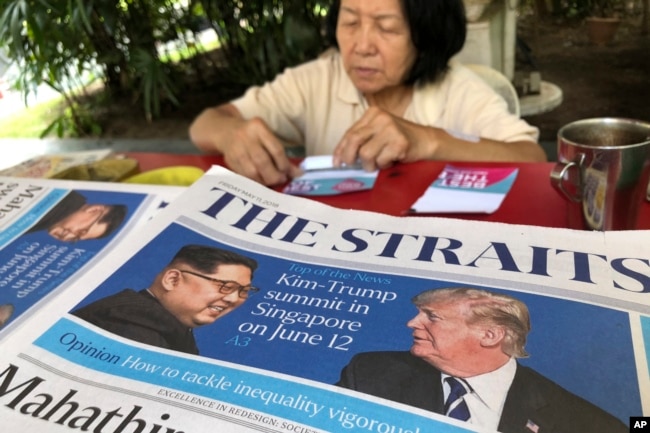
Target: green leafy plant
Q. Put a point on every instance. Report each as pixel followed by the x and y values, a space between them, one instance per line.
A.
pixel 604 8
pixel 74 121
pixel 61 43
pixel 65 44
pixel 579 9
pixel 261 38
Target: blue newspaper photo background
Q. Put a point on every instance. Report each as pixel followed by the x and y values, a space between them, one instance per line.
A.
pixel 571 342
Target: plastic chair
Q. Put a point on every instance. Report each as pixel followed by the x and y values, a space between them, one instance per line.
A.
pixel 500 83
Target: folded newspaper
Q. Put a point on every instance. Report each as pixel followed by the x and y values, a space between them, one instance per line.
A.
pixel 237 309
pixel 50 165
pixel 50 230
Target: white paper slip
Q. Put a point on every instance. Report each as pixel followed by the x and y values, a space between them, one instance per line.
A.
pixel 466 189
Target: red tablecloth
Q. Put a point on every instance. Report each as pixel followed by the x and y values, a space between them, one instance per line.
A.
pixel 531 201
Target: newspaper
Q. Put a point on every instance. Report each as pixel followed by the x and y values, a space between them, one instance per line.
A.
pixel 47 166
pixel 333 284
pixel 39 250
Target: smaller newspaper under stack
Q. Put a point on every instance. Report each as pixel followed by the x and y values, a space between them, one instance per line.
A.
pixel 97 165
pixel 48 166
pixel 53 230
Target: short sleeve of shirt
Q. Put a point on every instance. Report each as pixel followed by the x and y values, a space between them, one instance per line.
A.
pixel 315 103
pixel 312 104
pixel 278 103
pixel 465 105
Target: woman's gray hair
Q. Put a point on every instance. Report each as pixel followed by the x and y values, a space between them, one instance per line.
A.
pixel 487 308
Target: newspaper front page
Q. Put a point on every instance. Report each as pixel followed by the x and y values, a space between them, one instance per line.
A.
pixel 332 341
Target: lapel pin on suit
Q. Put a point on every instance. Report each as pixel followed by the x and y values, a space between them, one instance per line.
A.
pixel 532 426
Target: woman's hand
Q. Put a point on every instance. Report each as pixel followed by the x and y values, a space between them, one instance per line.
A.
pixel 379 139
pixel 256 153
pixel 249 147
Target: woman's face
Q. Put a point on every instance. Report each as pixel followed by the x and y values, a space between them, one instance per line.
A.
pixel 375 43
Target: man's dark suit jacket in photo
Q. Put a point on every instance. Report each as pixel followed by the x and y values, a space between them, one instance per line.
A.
pixel 532 398
pixel 139 316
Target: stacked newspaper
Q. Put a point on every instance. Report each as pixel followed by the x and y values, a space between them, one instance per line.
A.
pixel 335 289
pixel 45 241
pixel 51 165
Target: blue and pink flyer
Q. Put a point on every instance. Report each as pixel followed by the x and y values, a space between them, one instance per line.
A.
pixel 471 189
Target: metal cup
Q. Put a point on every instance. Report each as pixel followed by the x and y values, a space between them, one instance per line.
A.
pixel 603 169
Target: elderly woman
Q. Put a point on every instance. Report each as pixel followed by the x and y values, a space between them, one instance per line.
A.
pixel 389 93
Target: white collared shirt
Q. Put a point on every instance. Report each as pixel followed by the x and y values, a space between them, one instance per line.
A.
pixel 488 394
pixel 315 103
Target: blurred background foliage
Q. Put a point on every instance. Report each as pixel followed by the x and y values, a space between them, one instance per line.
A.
pixel 579 9
pixel 148 52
